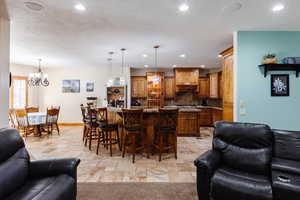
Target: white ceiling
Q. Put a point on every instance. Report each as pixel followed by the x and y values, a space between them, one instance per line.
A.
pixel 62 36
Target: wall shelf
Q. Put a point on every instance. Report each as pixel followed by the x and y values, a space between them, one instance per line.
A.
pixel 280 67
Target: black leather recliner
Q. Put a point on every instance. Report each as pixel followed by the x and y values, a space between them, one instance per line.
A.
pixel 239 165
pixel 22 179
pixel 286 165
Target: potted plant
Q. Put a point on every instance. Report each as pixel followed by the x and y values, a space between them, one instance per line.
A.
pixel 270 58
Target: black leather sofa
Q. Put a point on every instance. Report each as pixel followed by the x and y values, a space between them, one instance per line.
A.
pixel 250 162
pixel 22 179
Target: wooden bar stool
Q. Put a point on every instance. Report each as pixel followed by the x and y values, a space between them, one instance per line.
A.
pixel 91 127
pixel 165 136
pixel 135 134
pixel 105 131
pixel 84 120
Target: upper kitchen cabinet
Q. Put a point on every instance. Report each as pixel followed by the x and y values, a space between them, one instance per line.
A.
pixel 169 87
pixel 138 87
pixel 155 89
pixel 221 85
pixel 204 88
pixel 214 85
pixel 228 80
pixel 186 79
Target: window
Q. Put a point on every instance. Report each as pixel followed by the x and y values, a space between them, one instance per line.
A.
pixel 19 92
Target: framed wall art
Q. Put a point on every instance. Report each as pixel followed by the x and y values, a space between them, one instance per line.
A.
pixel 280 85
pixel 71 86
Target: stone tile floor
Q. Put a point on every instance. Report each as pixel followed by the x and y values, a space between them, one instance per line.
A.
pixel 103 168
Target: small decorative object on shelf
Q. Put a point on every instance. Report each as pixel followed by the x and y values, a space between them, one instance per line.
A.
pixel 280 85
pixel 291 60
pixel 270 58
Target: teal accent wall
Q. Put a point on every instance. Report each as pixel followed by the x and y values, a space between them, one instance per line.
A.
pixel 254 89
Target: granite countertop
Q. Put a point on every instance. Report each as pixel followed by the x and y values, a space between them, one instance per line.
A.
pixel 181 109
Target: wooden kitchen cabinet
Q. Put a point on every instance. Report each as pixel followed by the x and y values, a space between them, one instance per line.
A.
pixel 169 87
pixel 204 89
pixel 188 124
pixel 186 79
pixel 221 85
pixel 217 115
pixel 214 85
pixel 227 78
pixel 138 87
pixel 155 89
pixel 205 117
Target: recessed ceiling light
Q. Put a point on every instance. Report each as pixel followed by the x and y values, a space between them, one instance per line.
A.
pixel 278 7
pixel 146 66
pixel 182 56
pixel 80 7
pixel 183 7
pixel 145 55
pixel 33 6
pixel 174 66
pixel 233 7
pixel 202 66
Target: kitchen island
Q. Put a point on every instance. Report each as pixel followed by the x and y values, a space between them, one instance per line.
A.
pixel 190 118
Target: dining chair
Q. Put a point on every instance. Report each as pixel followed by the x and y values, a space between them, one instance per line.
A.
pixel 22 122
pixel 32 109
pixel 105 131
pixel 165 132
pixel 12 118
pixel 51 120
pixel 135 134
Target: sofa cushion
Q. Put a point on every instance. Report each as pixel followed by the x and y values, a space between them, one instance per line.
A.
pixel 233 184
pixel 244 146
pixel 287 144
pixel 14 162
pixel 48 188
pixel 10 143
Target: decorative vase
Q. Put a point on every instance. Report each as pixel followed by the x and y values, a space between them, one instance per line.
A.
pixel 270 61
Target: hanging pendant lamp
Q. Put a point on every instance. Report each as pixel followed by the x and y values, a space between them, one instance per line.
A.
pixel 122 77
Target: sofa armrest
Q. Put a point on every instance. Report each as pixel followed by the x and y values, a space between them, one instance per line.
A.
pixel 52 167
pixel 206 165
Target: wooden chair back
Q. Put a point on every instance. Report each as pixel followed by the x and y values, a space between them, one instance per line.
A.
pixel 83 112
pixel 91 114
pixel 132 118
pixel 21 117
pixel 32 109
pixel 52 115
pixel 12 118
pixel 168 117
pixel 102 116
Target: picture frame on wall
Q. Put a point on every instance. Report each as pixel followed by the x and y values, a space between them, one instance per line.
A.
pixel 90 86
pixel 71 86
pixel 280 85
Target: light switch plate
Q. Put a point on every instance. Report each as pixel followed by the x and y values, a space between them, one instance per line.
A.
pixel 243 112
pixel 242 103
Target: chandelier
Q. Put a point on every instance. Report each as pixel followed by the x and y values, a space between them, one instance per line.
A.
pixel 39 78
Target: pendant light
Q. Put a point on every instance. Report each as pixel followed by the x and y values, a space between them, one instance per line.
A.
pixel 39 78
pixel 122 78
pixel 156 79
pixel 110 81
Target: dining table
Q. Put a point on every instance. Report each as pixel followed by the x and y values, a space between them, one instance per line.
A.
pixel 36 120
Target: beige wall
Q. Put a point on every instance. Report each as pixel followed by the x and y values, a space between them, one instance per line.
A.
pixel 24 70
pixel 70 102
pixel 4 63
